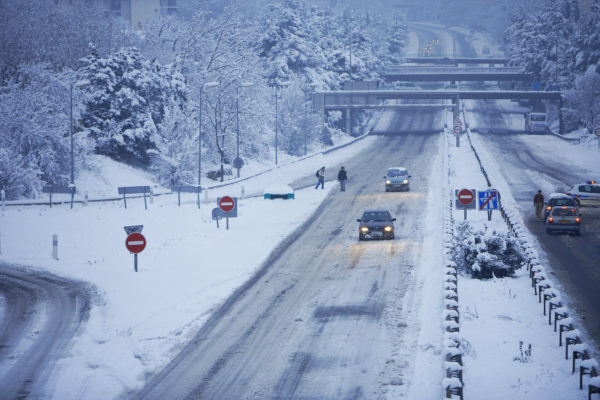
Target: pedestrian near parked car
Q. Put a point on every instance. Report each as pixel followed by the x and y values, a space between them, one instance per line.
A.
pixel 321 178
pixel 538 203
pixel 342 178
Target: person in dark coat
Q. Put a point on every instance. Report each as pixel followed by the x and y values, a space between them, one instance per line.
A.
pixel 342 178
pixel 538 203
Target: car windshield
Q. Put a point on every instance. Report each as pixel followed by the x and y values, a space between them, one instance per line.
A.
pixel 537 117
pixel 564 212
pixel 376 216
pixel 561 202
pixel 392 173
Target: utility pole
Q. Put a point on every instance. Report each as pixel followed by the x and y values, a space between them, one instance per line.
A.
pixel 71 131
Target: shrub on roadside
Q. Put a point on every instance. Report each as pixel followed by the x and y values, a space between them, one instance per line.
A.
pixel 486 253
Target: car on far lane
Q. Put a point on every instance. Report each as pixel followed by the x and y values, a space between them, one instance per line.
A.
pixel 586 194
pixel 558 199
pixel 397 178
pixel 563 219
pixel 376 224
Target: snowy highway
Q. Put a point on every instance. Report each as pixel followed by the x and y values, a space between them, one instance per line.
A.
pixel 327 316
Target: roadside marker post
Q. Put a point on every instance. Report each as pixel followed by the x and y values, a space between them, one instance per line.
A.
pixel 3 199
pixel 465 199
pixel 55 246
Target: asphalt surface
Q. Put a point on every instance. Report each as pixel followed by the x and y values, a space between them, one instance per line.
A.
pixel 327 316
pixel 40 314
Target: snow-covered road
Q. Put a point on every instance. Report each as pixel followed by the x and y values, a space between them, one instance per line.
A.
pixel 327 316
pixel 41 314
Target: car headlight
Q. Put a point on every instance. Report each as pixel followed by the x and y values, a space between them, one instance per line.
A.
pixel 388 229
pixel 364 229
pixel 405 181
pixel 387 182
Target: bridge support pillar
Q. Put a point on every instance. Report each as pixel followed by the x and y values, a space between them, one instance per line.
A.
pixel 348 121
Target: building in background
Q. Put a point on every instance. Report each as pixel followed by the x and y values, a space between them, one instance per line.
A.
pixel 133 12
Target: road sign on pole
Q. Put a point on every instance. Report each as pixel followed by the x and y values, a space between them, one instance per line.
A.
pixel 135 243
pixel 488 201
pixel 465 199
pixel 226 203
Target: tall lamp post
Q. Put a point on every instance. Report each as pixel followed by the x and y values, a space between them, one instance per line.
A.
pixel 71 132
pixel 237 118
pixel 203 87
pixel 276 116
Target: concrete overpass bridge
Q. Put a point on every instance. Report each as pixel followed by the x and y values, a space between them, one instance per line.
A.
pixel 347 100
pixel 457 60
pixel 438 73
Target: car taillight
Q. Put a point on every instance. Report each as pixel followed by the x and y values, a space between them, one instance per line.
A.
pixel 550 220
pixel 548 208
pixel 577 220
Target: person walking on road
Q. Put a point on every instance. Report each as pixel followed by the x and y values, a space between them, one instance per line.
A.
pixel 538 203
pixel 321 178
pixel 342 178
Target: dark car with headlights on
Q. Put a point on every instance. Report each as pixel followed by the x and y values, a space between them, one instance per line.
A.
pixel 376 224
pixel 563 219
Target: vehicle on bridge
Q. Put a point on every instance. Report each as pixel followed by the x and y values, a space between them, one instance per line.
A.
pixel 397 178
pixel 564 219
pixel 536 122
pixel 558 200
pixel 586 194
pixel 376 224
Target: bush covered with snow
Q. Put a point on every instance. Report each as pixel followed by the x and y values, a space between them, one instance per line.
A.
pixel 486 253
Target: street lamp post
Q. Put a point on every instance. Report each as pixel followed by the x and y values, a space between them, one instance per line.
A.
pixel 237 117
pixel 276 116
pixel 71 132
pixel 203 87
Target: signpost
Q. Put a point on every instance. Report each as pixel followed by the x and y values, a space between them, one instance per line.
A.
pixel 187 189
pixel 135 242
pixel 227 207
pixel 488 201
pixel 458 130
pixel 597 128
pixel 465 199
pixel 59 189
pixel 125 190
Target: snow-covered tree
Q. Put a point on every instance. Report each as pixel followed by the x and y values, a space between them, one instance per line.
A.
pixel 585 97
pixel 127 96
pixel 34 130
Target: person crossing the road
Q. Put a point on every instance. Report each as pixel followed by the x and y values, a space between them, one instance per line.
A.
pixel 538 203
pixel 342 178
pixel 321 178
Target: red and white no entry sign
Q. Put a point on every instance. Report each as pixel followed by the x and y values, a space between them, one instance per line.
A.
pixel 226 203
pixel 458 129
pixel 465 197
pixel 135 242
